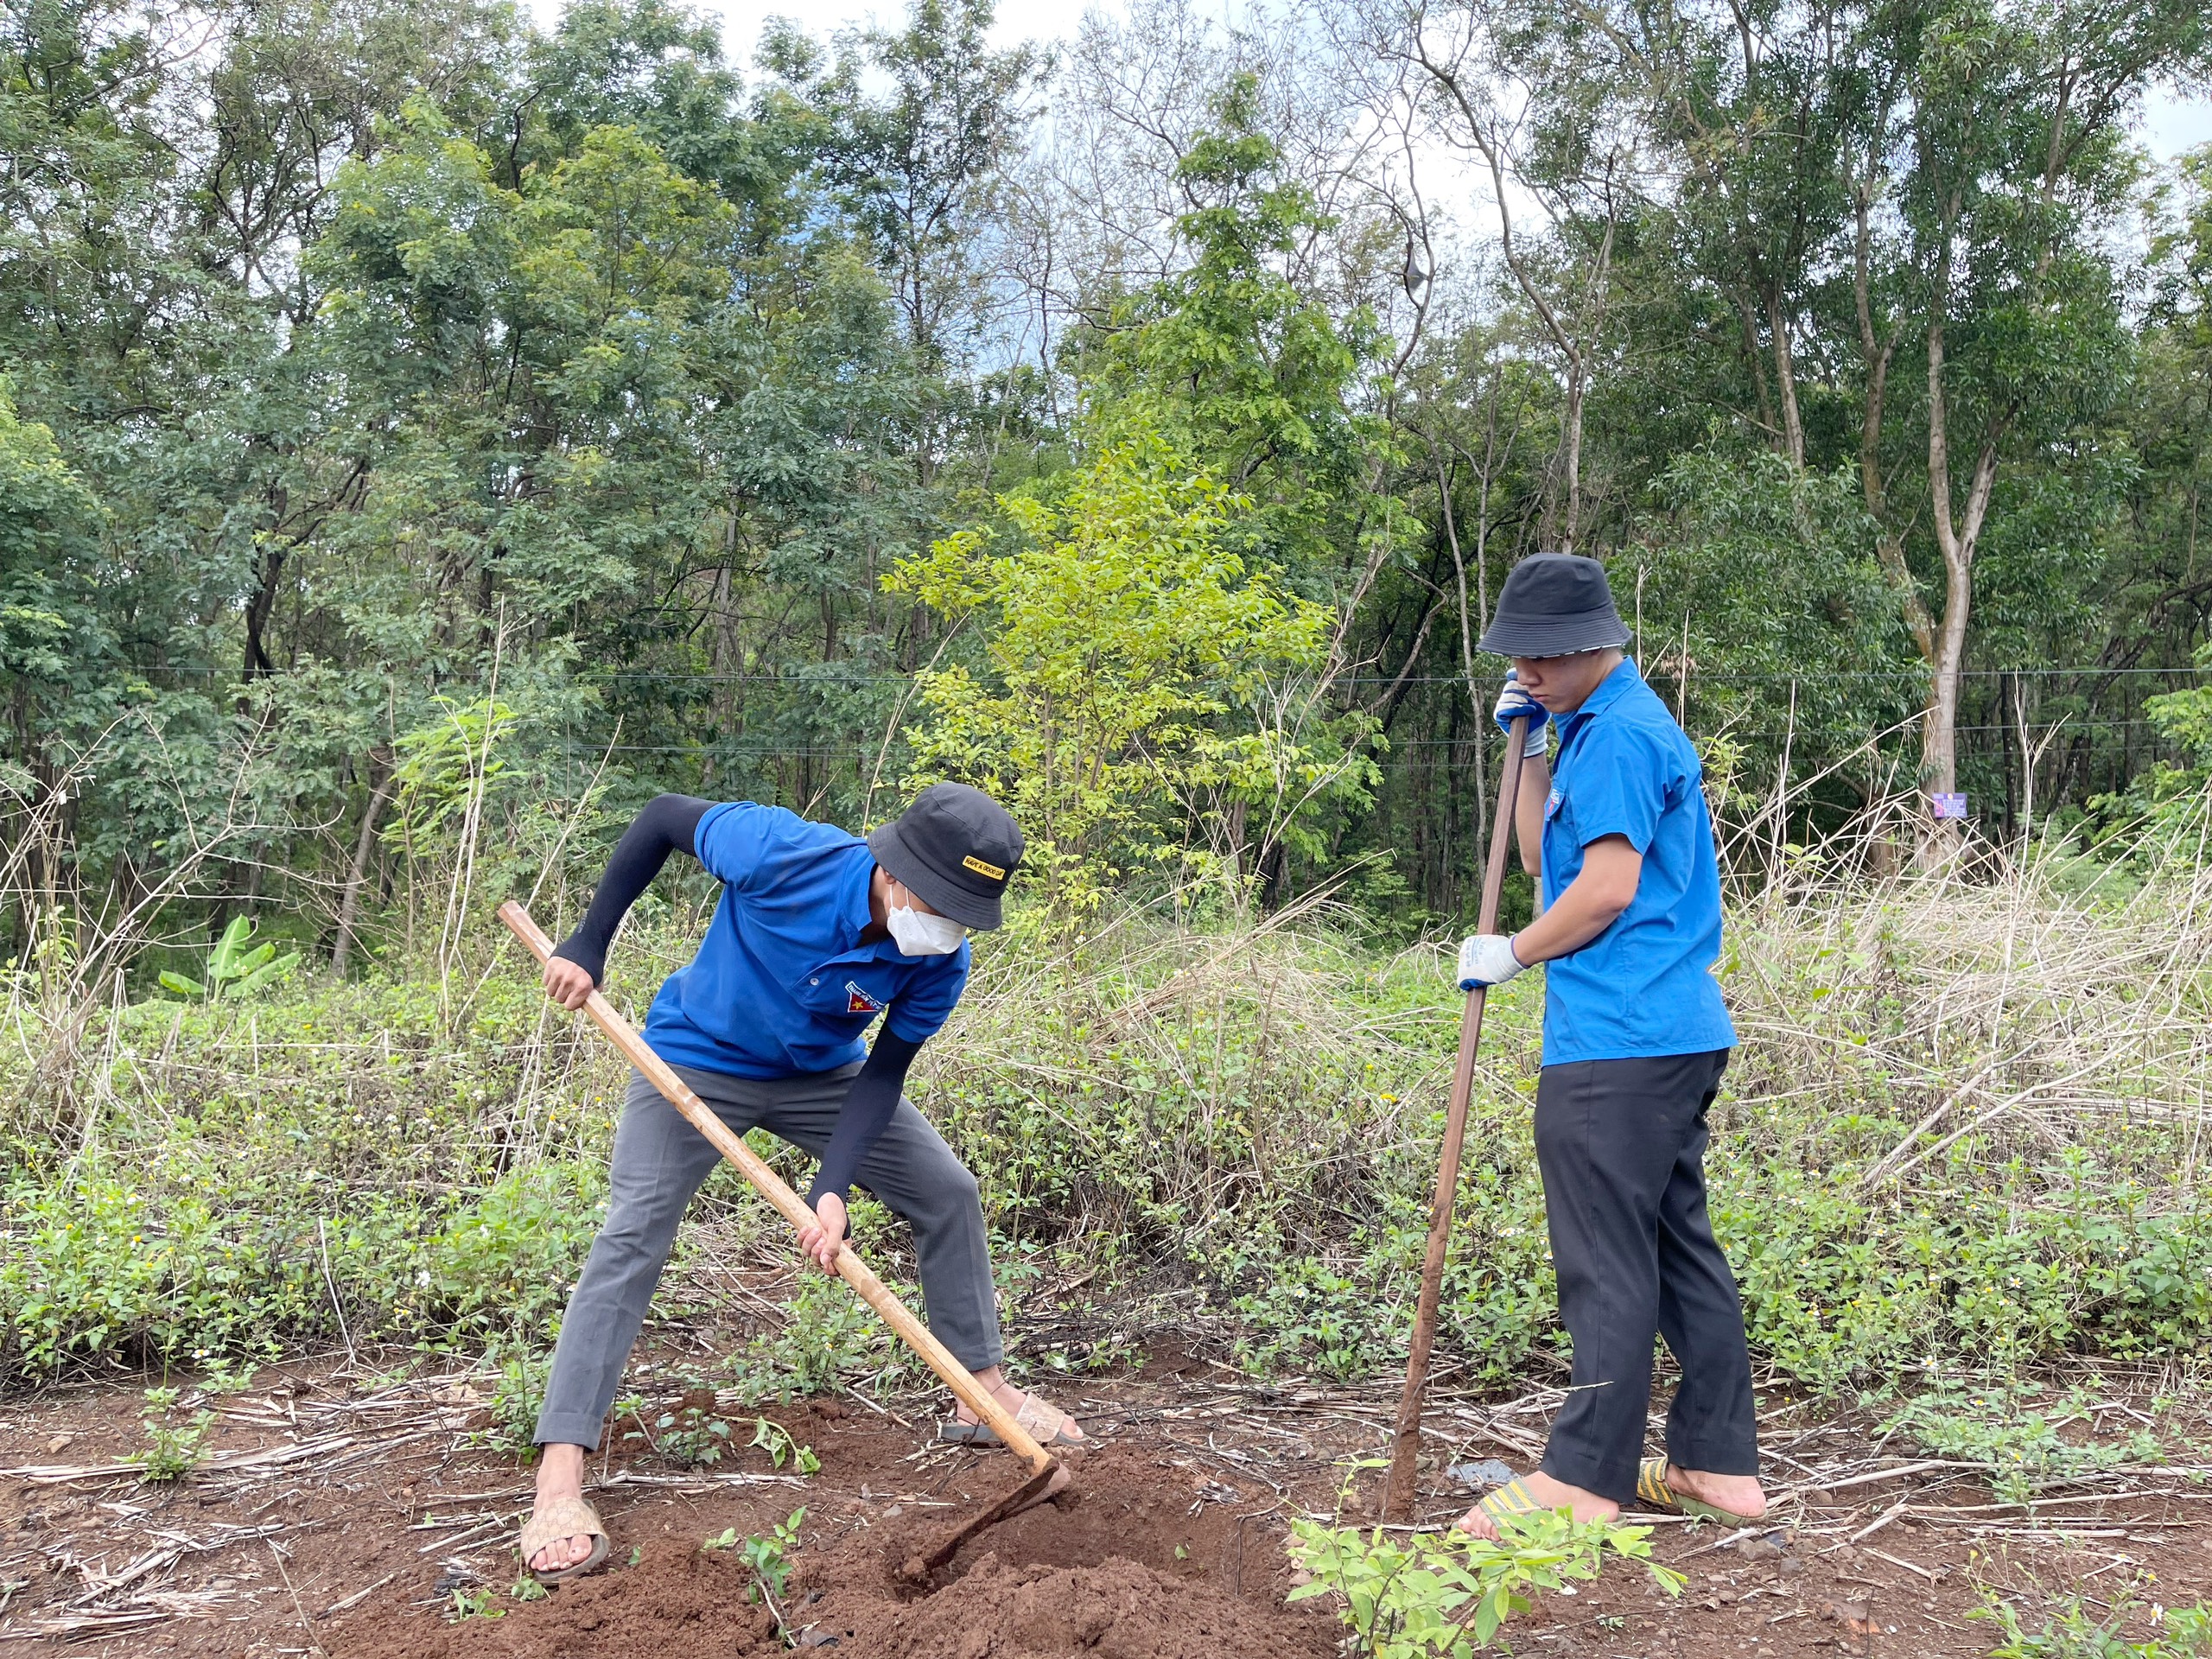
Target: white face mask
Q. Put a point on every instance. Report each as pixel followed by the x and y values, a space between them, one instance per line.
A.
pixel 921 935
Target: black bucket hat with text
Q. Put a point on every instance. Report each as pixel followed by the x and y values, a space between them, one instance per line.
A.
pixel 956 848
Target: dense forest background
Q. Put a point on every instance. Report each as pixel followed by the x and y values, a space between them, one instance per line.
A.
pixel 424 436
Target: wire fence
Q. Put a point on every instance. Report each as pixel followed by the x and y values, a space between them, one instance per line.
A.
pixel 2049 733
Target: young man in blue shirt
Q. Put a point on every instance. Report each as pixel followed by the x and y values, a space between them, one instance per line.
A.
pixel 818 932
pixel 1636 1038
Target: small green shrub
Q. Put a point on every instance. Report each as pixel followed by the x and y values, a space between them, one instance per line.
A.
pixel 1995 1424
pixel 1342 1315
pixel 504 1265
pixel 180 1258
pixel 482 1603
pixel 1445 1595
pixel 174 1449
pixel 769 1557
pixel 233 971
pixel 778 1442
pixel 829 1334
pixel 517 1399
pixel 687 1435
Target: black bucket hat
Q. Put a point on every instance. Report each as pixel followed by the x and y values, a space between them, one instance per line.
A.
pixel 955 847
pixel 1553 605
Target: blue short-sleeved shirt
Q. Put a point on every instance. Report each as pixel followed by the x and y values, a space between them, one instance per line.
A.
pixel 782 985
pixel 1645 985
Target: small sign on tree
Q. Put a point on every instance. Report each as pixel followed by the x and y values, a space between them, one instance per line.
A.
pixel 1949 806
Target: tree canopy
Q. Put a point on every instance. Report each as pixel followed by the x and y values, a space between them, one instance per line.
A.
pixel 404 398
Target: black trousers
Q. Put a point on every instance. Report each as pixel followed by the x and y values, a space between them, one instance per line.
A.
pixel 1621 1144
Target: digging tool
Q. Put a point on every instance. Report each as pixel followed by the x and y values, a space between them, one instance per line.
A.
pixel 1398 1493
pixel 1046 1476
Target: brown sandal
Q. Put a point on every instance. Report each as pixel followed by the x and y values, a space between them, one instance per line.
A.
pixel 571 1517
pixel 1047 1425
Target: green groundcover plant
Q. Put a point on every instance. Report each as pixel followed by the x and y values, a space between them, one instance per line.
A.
pixel 2072 1631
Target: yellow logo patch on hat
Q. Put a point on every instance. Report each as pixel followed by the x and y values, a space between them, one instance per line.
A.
pixel 978 865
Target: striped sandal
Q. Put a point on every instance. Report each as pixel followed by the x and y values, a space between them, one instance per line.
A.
pixel 1651 1486
pixel 1510 1502
pixel 1047 1424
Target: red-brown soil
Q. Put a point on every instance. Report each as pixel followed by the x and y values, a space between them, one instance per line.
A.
pixel 1118 1609
pixel 1136 1560
pixel 340 1519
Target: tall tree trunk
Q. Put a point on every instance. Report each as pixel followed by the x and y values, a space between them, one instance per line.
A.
pixel 1876 354
pixel 1785 379
pixel 1467 623
pixel 269 571
pixel 1569 510
pixel 725 657
pixel 1958 534
pixel 1749 326
pixel 349 903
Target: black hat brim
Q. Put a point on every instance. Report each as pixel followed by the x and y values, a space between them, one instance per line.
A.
pixel 969 909
pixel 1554 636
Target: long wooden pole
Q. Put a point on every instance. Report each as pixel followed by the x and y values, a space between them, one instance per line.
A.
pixel 771 1186
pixel 1398 1493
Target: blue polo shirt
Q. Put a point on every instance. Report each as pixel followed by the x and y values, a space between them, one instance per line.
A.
pixel 782 985
pixel 1645 986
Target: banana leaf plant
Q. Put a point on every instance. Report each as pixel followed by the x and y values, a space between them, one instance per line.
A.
pixel 232 970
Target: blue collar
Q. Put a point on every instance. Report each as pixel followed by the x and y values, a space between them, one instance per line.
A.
pixel 1611 690
pixel 855 917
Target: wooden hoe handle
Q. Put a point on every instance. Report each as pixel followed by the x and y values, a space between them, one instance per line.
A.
pixel 771 1186
pixel 1398 1490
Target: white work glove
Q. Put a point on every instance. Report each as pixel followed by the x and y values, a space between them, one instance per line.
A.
pixel 1512 703
pixel 1487 959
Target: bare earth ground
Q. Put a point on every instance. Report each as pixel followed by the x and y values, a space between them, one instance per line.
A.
pixel 340 1519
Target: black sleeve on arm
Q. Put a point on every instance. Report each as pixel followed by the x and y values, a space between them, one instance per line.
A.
pixel 668 825
pixel 865 1112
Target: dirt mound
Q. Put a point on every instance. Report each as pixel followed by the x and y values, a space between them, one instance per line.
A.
pixel 1117 1609
pixel 1127 1501
pixel 1139 1559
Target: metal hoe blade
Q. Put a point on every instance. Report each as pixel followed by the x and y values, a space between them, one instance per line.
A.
pixel 1033 1491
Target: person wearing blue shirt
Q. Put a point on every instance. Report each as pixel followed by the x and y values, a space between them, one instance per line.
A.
pixel 818 934
pixel 1636 1039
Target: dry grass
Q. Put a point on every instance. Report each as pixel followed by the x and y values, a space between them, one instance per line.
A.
pixel 2020 1003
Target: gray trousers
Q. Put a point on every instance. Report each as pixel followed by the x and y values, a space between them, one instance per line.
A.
pixel 660 1161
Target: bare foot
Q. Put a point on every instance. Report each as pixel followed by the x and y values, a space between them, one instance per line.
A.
pixel 1737 1494
pixel 560 1475
pixel 1553 1495
pixel 1009 1397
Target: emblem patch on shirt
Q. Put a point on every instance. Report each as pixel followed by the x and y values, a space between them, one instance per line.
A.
pixel 1552 801
pixel 858 1002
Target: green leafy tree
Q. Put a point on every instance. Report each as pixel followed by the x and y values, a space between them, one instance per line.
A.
pixel 2002 155
pixel 924 124
pixel 52 636
pixel 1133 670
pixel 1257 380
